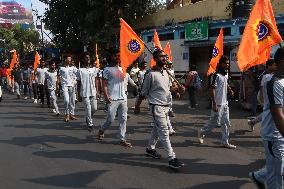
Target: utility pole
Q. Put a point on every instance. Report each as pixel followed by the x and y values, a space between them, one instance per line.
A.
pixel 42 38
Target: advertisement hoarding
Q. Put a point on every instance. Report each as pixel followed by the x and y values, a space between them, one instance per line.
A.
pixel 16 11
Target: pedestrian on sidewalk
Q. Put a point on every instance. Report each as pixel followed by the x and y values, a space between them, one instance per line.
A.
pixel 191 81
pixel 88 80
pixel 156 87
pixel 66 75
pixel 272 129
pixel 220 110
pixel 52 85
pixel 113 85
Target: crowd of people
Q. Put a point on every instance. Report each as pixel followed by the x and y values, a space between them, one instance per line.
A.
pixel 107 82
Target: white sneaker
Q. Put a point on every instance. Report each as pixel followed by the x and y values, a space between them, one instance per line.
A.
pixel 229 146
pixel 200 137
pixel 26 98
pixel 35 101
pixel 172 132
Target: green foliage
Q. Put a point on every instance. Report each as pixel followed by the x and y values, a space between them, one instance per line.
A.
pixel 79 22
pixel 19 39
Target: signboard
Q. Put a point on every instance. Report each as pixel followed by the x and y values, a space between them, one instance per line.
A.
pixel 196 31
pixel 16 11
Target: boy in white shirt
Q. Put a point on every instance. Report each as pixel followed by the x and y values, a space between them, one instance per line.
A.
pixel 87 77
pixel 52 84
pixel 66 74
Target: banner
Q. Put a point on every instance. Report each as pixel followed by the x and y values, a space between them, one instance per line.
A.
pixel 16 11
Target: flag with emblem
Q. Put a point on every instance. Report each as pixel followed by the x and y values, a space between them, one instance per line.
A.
pixel 259 36
pixel 36 61
pixel 14 60
pixel 131 46
pixel 168 51
pixel 217 53
pixel 97 57
pixel 157 44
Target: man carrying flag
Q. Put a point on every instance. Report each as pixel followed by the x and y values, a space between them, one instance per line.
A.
pixel 220 109
pixel 131 47
pixel 156 88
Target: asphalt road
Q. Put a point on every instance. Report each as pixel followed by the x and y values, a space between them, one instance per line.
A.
pixel 40 151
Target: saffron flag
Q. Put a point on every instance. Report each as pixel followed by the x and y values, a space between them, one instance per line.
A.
pixel 131 46
pixel 14 60
pixel 168 51
pixel 157 44
pixel 217 53
pixel 97 57
pixel 36 61
pixel 259 36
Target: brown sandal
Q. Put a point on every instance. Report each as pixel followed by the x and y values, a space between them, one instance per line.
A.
pixel 125 144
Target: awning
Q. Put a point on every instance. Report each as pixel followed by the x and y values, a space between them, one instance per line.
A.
pixel 209 43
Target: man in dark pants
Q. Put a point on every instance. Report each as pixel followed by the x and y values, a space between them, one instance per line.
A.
pixel 43 89
pixel 190 77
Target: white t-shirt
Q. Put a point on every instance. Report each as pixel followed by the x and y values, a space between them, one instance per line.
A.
pixel 68 76
pixel 51 79
pixel 141 75
pixel 87 76
pixel 115 78
pixel 220 85
pixel 134 74
pixel 40 75
pixel 273 97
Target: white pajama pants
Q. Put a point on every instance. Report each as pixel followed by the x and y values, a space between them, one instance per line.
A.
pixel 220 118
pixel 90 108
pixel 119 106
pixel 53 98
pixel 69 100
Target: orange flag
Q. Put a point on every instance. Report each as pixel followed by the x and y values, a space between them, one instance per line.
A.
pixel 14 60
pixel 168 51
pixel 157 44
pixel 217 53
pixel 37 59
pixel 131 46
pixel 259 36
pixel 97 57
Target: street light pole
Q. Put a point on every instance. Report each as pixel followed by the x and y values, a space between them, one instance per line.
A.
pixel 42 38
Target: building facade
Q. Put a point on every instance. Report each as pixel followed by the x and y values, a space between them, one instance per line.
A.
pixel 197 49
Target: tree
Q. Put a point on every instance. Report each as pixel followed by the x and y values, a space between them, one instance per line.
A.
pixel 23 40
pixel 80 22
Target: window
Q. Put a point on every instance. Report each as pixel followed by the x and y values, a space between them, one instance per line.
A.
pixel 242 29
pixel 215 32
pixel 167 36
pixel 281 29
pixel 150 39
pixel 182 35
